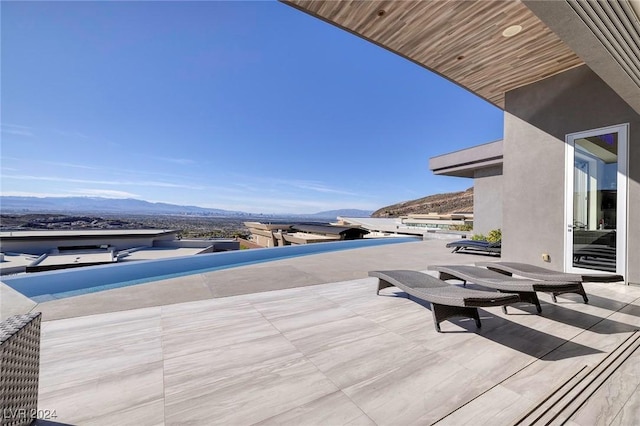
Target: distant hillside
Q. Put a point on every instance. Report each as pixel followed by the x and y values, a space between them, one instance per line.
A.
pixel 450 202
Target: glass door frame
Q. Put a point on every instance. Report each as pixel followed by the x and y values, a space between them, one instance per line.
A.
pixel 622 215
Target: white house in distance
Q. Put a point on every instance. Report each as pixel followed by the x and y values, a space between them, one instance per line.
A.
pixel 35 251
pixel 566 73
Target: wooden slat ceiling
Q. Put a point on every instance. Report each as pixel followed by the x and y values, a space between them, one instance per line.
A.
pixel 460 40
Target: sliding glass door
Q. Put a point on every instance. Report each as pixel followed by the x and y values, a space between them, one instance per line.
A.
pixel 596 199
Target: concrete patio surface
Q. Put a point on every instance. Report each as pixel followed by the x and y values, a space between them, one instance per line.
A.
pixel 307 341
pixel 273 275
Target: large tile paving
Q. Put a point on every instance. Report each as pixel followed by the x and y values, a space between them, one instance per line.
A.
pixel 328 351
pixel 278 274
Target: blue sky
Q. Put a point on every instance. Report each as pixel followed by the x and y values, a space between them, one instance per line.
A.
pixel 238 105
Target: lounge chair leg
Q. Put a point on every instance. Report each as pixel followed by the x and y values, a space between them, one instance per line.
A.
pixel 444 312
pixel 553 297
pixel 476 317
pixel 584 294
pixel 435 319
pixel 382 284
pixel 526 297
pixel 531 297
pixel 579 290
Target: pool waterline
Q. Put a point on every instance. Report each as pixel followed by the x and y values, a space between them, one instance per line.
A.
pixel 51 285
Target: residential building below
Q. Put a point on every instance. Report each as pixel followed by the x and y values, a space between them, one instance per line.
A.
pixel 34 251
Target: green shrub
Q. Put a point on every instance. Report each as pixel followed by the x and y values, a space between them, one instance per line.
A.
pixel 494 236
pixel 465 227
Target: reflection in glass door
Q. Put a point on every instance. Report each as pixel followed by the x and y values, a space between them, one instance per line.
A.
pixel 596 201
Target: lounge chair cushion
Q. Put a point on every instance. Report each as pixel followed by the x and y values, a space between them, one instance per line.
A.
pixel 526 288
pixel 538 273
pixel 432 289
pixel 498 281
pixel 446 300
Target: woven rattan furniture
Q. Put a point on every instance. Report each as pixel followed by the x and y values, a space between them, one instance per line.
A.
pixel 447 301
pixel 19 369
pixel 526 289
pixel 475 247
pixel 538 273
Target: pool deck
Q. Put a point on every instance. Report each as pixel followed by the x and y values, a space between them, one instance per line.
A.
pixel 306 340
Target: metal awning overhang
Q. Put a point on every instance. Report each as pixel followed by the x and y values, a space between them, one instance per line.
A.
pixel 463 41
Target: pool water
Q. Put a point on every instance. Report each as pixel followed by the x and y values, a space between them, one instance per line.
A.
pixel 50 285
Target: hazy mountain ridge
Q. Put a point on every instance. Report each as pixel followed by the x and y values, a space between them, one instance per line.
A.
pixel 100 205
pixel 452 202
pixel 23 205
pixel 447 203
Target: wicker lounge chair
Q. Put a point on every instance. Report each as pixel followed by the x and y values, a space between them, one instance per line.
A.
pixel 19 368
pixel 538 273
pixel 475 246
pixel 526 289
pixel 446 300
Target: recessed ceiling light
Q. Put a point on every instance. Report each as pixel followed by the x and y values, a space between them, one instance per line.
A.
pixel 512 30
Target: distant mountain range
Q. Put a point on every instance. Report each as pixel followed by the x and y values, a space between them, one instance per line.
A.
pixel 10 204
pixel 452 202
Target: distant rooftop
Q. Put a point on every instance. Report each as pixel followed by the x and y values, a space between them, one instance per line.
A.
pixel 405 225
pixel 151 253
pixel 71 260
pixel 37 251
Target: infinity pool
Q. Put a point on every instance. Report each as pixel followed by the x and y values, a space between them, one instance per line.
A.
pixel 44 286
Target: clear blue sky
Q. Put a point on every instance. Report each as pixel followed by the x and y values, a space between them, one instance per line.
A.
pixel 250 106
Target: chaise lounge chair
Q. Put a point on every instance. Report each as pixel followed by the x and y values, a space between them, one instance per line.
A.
pixel 446 300
pixel 475 246
pixel 526 289
pixel 19 368
pixel 538 273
